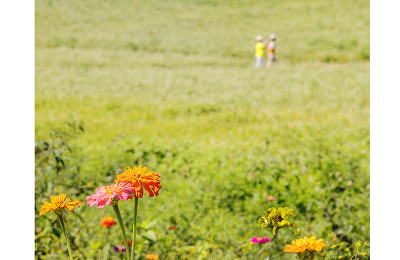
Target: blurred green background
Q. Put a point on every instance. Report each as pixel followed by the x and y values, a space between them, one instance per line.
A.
pixel 171 85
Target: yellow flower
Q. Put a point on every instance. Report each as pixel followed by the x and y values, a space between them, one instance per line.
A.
pixel 305 247
pixel 276 219
pixel 262 222
pixel 58 204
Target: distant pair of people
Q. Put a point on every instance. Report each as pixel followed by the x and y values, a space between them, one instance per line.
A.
pixel 260 48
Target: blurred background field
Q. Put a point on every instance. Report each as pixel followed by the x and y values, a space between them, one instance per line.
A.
pixel 171 85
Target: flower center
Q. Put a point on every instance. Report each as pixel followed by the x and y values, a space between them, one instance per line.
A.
pixel 58 211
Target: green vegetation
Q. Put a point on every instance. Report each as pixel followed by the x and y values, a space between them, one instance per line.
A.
pixel 171 85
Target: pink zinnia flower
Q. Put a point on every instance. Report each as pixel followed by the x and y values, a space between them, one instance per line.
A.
pixel 260 240
pixel 106 194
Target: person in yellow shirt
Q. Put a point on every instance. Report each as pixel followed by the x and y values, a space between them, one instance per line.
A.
pixel 259 47
pixel 271 50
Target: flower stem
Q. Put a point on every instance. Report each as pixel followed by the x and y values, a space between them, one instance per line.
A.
pixel 121 225
pixel 276 242
pixel 276 239
pixel 261 250
pixel 134 228
pixel 65 234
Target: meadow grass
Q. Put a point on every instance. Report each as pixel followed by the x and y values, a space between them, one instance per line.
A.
pixel 171 85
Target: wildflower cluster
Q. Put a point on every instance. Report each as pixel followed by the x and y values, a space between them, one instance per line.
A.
pixel 276 219
pixel 344 250
pixel 128 185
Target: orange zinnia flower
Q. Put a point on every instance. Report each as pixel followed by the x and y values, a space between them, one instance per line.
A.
pixel 172 227
pixel 58 204
pixel 152 256
pixel 302 244
pixel 107 222
pixel 139 178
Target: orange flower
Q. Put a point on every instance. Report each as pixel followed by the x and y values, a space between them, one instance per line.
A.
pixel 107 222
pixel 172 227
pixel 302 244
pixel 152 256
pixel 58 204
pixel 270 198
pixel 140 178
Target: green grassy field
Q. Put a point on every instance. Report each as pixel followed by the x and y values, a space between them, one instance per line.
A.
pixel 171 85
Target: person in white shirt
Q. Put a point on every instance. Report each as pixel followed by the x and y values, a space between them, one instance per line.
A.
pixel 271 50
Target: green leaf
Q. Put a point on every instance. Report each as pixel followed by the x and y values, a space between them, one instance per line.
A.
pixel 151 235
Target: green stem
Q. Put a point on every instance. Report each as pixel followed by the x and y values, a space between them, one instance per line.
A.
pixel 65 234
pixel 121 225
pixel 276 242
pixel 134 228
pixel 262 249
pixel 276 239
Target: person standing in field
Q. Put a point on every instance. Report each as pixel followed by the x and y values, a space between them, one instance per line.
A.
pixel 259 47
pixel 271 50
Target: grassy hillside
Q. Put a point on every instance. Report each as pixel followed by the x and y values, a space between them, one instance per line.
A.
pixel 171 85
